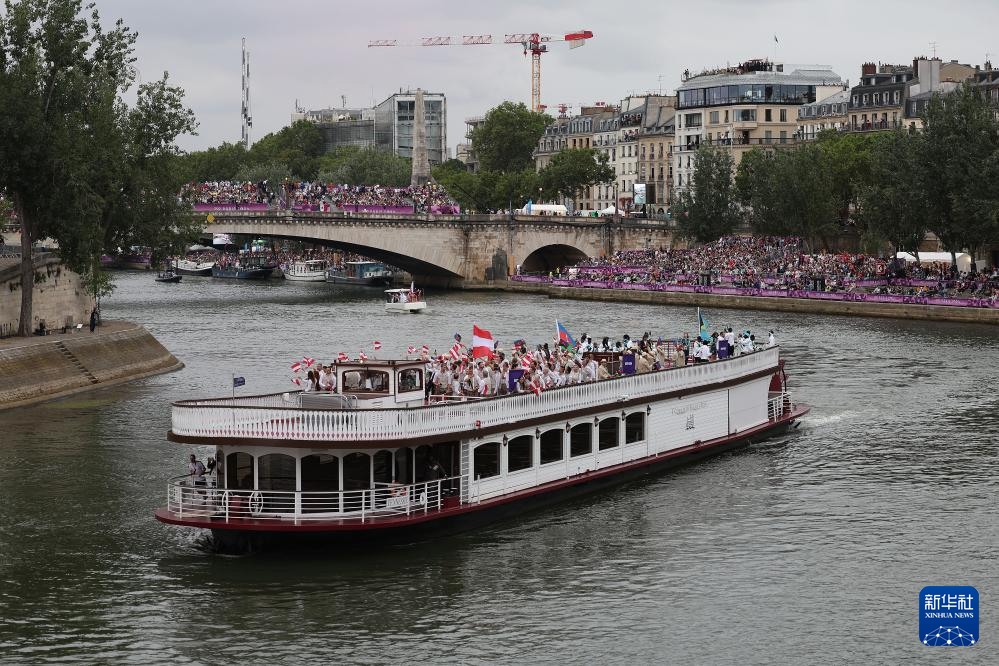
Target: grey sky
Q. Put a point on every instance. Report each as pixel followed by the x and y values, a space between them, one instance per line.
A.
pixel 316 51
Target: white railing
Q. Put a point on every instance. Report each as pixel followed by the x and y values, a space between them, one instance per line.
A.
pixel 264 417
pixel 223 505
pixel 778 405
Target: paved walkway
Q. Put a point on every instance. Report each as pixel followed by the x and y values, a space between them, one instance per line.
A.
pixel 57 335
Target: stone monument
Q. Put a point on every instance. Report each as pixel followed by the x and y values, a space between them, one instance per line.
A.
pixel 421 164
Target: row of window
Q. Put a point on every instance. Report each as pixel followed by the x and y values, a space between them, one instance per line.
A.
pixel 520 453
pixel 740 94
pixel 877 99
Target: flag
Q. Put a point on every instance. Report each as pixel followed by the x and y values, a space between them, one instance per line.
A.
pixel 411 349
pixel 238 381
pixel 702 324
pixel 307 361
pixel 457 337
pixel 295 367
pixel 563 335
pixel 426 349
pixel 520 343
pixel 536 386
pixel 362 356
pixel 296 381
pixel 482 343
pixel 342 357
pixel 377 345
pixel 455 351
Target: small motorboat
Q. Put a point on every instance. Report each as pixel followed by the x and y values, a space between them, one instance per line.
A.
pixel 405 300
pixel 168 276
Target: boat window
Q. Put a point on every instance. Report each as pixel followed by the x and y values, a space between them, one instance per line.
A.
pixel 320 478
pixel 551 446
pixel 239 471
pixel 356 479
pixel 607 433
pixel 487 460
pixel 520 453
pixel 581 440
pixel 410 380
pixel 365 381
pixel 383 467
pixel 276 473
pixel 404 465
pixel 634 427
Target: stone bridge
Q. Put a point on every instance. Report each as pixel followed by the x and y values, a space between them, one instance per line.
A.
pixel 450 250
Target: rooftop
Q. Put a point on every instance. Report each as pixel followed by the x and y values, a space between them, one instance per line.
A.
pixel 808 77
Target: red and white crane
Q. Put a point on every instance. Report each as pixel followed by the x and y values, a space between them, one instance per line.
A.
pixel 532 42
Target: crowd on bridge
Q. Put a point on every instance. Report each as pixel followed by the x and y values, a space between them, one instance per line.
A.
pixel 321 196
pixel 781 264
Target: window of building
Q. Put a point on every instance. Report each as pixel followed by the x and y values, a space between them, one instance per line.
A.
pixel 634 427
pixel 607 433
pixel 486 460
pixel 551 446
pixel 581 440
pixel 855 100
pixel 520 453
pixel 713 117
pixel 745 115
pixel 767 115
pixel 865 98
pixel 726 115
pixel 896 96
pixel 783 136
pixel 783 115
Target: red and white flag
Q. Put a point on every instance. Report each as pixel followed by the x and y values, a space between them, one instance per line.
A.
pixel 342 357
pixel 295 367
pixel 296 381
pixel 426 349
pixel 411 349
pixel 482 343
pixel 377 345
pixel 362 356
pixel 308 361
pixel 536 386
pixel 455 351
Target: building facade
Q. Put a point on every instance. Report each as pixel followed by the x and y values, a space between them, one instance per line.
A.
pixel 739 108
pixel 388 125
pixel 830 113
pixel 655 153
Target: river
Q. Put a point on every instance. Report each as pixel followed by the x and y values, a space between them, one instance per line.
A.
pixel 811 548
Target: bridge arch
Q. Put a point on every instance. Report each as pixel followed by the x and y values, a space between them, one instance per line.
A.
pixel 549 257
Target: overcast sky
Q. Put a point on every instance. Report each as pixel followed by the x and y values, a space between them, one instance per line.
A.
pixel 315 51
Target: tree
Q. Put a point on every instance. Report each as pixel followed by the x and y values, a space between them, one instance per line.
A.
pixel 506 140
pixel 79 164
pixel 374 166
pixel 569 171
pixel 848 157
pixel 758 185
pixel 217 163
pixel 706 210
pixel 956 154
pixel 892 207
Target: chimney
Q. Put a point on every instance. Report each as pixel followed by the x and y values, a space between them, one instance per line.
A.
pixel 868 69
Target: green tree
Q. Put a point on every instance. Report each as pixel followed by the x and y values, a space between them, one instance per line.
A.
pixel 217 163
pixel 807 200
pixel 79 164
pixel 298 145
pixel 848 157
pixel 506 140
pixel 374 166
pixel 706 211
pixel 892 207
pixel 569 171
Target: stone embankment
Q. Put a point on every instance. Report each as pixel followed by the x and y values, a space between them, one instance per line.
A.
pixel 803 305
pixel 37 369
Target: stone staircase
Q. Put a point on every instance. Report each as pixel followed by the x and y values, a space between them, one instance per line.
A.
pixel 75 362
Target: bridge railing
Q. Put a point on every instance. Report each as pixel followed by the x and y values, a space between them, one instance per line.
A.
pixel 263 417
pixel 283 216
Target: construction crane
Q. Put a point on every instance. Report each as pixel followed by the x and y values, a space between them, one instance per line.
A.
pixel 533 43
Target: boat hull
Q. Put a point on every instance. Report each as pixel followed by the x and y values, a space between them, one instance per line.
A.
pixel 411 308
pixel 242 273
pixel 173 279
pixel 193 270
pixel 318 277
pixel 462 518
pixel 383 281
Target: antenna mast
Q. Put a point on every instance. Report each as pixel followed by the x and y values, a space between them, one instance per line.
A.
pixel 245 113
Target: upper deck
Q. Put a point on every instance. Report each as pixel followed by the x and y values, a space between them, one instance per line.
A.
pixel 281 419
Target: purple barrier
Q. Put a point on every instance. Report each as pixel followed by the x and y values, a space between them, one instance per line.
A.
pixel 207 208
pixel 397 210
pixel 528 278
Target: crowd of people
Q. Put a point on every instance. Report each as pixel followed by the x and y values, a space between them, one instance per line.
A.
pixel 777 263
pixel 429 198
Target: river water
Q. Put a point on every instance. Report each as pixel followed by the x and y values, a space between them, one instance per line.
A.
pixel 811 548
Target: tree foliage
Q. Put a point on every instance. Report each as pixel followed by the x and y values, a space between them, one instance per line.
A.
pixel 81 165
pixel 892 205
pixel 707 210
pixel 571 170
pixel 506 140
pixel 371 166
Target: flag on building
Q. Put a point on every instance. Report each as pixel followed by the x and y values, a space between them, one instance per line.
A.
pixel 377 345
pixel 563 335
pixel 482 343
pixel 702 326
pixel 342 357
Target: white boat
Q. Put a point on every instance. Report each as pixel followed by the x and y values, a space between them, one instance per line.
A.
pixel 313 270
pixel 373 461
pixel 194 268
pixel 404 300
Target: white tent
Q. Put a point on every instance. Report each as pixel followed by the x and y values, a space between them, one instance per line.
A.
pixel 963 259
pixel 610 211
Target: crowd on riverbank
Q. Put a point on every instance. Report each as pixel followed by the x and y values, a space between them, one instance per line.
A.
pixel 321 196
pixel 781 265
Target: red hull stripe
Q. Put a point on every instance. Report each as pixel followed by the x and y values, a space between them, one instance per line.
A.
pixel 387 523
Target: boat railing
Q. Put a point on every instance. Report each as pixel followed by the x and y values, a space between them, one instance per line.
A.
pixel 273 417
pixel 222 505
pixel 779 404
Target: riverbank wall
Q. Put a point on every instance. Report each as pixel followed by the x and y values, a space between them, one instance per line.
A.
pixel 774 304
pixel 60 296
pixel 37 369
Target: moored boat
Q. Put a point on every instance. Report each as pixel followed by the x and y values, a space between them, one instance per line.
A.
pixel 313 270
pixel 193 268
pixel 246 268
pixel 168 276
pixel 405 300
pixel 361 273
pixel 372 462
